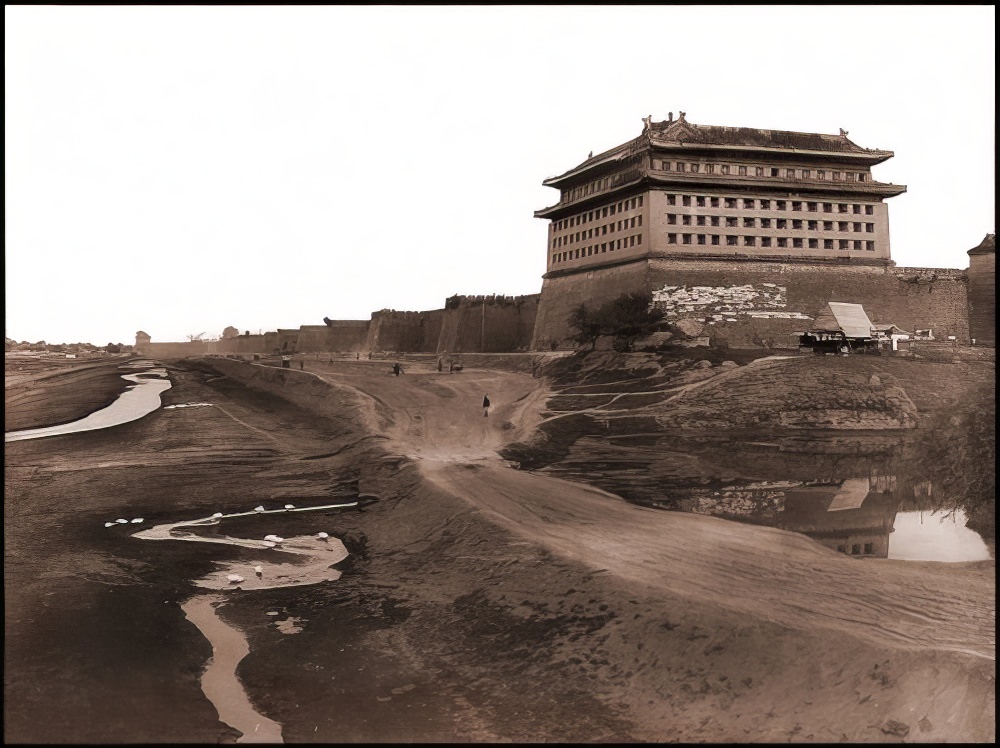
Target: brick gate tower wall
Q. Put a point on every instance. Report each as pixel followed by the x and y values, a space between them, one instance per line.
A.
pixel 982 298
pixel 742 302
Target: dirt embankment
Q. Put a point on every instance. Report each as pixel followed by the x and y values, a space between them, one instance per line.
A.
pixel 728 578
pixel 479 603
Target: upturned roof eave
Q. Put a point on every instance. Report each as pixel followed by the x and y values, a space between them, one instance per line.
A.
pixel 873 156
pixel 872 188
pixel 596 197
pixel 868 157
pixel 610 156
pixel 879 188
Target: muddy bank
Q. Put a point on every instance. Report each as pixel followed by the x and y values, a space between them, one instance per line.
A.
pixel 457 617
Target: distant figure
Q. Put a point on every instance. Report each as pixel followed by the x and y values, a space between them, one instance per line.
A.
pixel 486 405
pixel 397 369
pixel 357 356
pixel 302 364
pixel 440 365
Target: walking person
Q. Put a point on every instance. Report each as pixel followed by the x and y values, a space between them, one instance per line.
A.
pixel 486 405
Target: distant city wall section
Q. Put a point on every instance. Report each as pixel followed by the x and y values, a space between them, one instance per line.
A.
pixel 400 332
pixel 174 350
pixel 467 324
pixel 488 324
pixel 334 336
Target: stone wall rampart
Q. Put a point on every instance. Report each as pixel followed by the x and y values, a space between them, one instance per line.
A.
pixel 176 350
pixel 342 335
pixel 743 303
pixel 982 298
pixel 402 332
pixel 488 324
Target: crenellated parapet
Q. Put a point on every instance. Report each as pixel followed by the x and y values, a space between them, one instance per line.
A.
pixel 454 302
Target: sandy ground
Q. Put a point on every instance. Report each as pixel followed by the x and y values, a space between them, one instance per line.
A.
pixel 480 602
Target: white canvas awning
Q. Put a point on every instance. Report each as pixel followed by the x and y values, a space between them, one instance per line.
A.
pixel 851 319
pixel 851 495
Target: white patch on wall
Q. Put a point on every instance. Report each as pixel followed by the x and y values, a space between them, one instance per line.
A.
pixel 717 303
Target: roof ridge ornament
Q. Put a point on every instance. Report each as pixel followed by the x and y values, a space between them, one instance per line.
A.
pixel 843 132
pixel 647 123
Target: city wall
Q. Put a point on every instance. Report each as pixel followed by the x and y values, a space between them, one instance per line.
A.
pixel 488 324
pixel 982 298
pixel 467 324
pixel 175 350
pixel 733 302
pixel 403 332
pixel 749 303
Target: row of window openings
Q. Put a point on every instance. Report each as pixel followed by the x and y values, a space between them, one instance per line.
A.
pixel 856 548
pixel 750 222
pixel 764 171
pixel 751 203
pixel 598 213
pixel 767 241
pixel 623 225
pixel 596 249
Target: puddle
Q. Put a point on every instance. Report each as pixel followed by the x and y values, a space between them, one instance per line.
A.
pixel 856 516
pixel 935 536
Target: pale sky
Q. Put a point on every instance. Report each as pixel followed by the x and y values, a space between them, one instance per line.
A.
pixel 181 169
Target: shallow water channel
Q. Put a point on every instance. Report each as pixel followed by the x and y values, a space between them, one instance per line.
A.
pixel 316 556
pixel 140 399
pixel 219 681
pixel 229 646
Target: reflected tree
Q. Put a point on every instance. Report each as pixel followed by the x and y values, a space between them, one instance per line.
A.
pixel 958 453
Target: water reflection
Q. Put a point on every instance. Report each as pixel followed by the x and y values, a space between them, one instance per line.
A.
pixel 140 399
pixel 858 516
pixel 936 536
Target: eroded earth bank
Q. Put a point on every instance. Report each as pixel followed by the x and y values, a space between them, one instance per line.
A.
pixel 485 596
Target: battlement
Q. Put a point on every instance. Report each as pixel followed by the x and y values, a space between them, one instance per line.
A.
pixel 453 302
